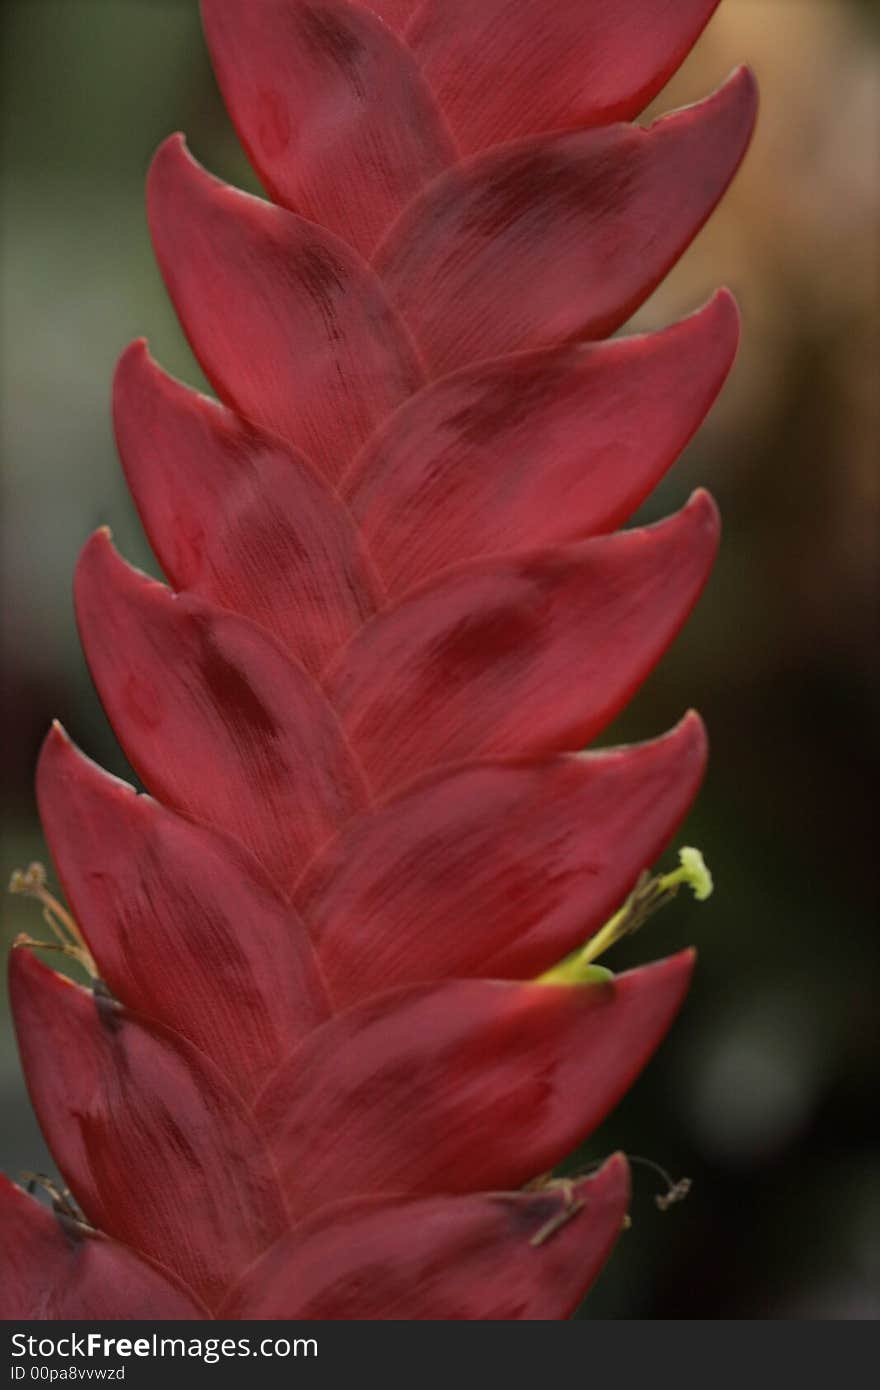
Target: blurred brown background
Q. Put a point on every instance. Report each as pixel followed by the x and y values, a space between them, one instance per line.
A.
pixel 766 1095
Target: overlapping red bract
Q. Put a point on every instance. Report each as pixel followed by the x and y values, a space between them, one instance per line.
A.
pixel 396 617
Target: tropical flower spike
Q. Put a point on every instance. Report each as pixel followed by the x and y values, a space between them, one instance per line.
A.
pixel 321 1069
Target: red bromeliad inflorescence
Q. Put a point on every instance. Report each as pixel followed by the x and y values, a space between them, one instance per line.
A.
pixel 318 1072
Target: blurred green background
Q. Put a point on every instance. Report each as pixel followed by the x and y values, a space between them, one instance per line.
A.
pixel 766 1094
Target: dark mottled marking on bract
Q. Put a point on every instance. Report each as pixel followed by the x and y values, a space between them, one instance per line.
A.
pixel 320 275
pixel 234 697
pixel 329 38
pixel 538 182
pixel 479 640
pixel 507 399
pixel 526 1218
pixel 110 1012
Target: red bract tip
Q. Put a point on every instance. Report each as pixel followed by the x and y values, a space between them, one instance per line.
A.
pixel 524 1255
pixel 215 718
pixel 53 1268
pixel 531 655
pixel 536 449
pixel 463 1085
pixel 495 867
pixel 282 67
pixel 499 71
pixel 154 1143
pixel 162 902
pixel 560 238
pixel 291 327
pixel 240 517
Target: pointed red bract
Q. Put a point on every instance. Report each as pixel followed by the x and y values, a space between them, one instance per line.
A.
pixel 561 237
pixel 499 70
pixel 535 449
pixel 331 109
pixel 461 1086
pixel 154 1144
pixel 523 656
pixel 238 516
pixel 217 721
pixel 185 927
pixel 289 324
pixel 496 869
pixel 51 1269
pixel 483 1257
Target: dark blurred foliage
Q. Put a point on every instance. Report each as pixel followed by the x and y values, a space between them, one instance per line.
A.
pixel 766 1093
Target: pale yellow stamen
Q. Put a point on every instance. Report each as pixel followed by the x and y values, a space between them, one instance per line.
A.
pixel 648 896
pixel 31 883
